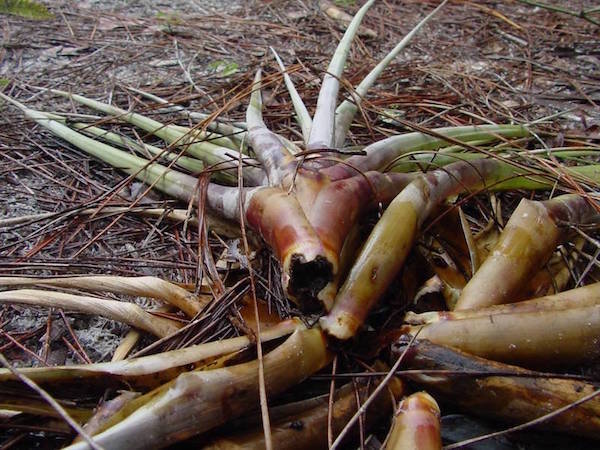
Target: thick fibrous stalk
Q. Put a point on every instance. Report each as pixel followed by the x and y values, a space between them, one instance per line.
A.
pixel 383 255
pixel 336 207
pixel 344 114
pixel 526 244
pixel 416 424
pixel 198 401
pixel 574 298
pixel 151 287
pixel 307 264
pixel 540 339
pixel 146 371
pixel 322 133
pixel 268 147
pixel 313 432
pixel 513 399
pixel 128 313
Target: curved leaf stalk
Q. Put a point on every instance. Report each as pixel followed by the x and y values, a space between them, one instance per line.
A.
pixel 151 287
pixel 169 181
pixel 302 115
pixel 36 407
pixel 145 372
pixel 526 244
pixel 198 401
pixel 344 114
pixel 211 154
pixel 192 164
pixel 386 249
pixel 234 131
pixel 226 174
pixel 269 148
pixel 416 424
pixel 513 399
pixel 128 313
pixel 322 133
pixel 541 339
pixel 196 135
pixel 574 298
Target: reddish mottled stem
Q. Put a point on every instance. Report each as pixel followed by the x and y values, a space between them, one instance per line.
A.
pixel 387 247
pixel 416 424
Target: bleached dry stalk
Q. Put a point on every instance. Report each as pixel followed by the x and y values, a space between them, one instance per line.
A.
pixel 147 371
pixel 124 312
pixel 151 287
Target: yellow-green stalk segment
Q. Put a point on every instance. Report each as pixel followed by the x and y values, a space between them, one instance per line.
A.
pixel 322 133
pixel 166 180
pixel 192 164
pixel 381 153
pixel 199 401
pixel 416 424
pixel 124 312
pixel 505 397
pixel 527 242
pixel 574 298
pixel 539 339
pixel 207 151
pixel 344 114
pixel 211 154
pixel 233 131
pixel 146 372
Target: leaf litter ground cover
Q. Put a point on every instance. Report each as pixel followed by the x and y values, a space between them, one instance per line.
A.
pixel 448 226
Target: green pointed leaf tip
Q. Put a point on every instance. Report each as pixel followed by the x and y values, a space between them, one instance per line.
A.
pixel 4 82
pixel 223 68
pixel 25 8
